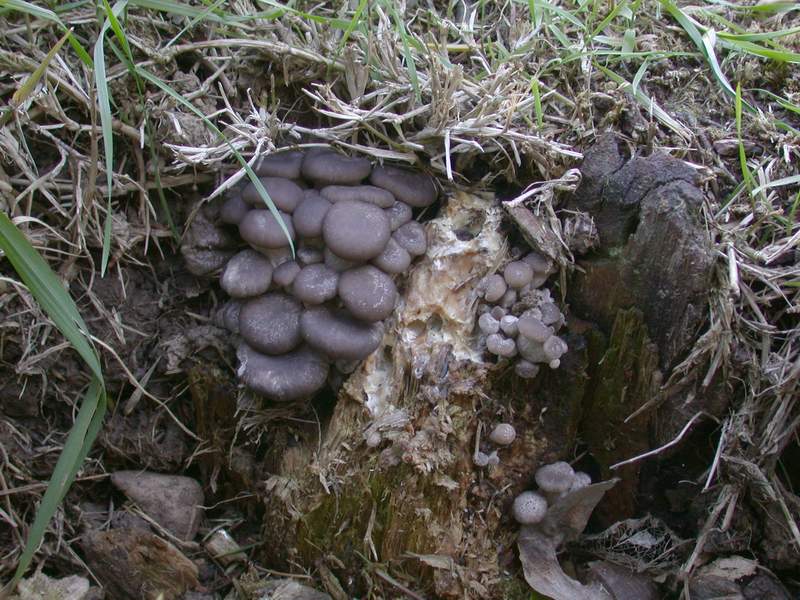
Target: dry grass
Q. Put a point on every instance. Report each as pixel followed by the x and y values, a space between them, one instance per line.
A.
pixel 479 93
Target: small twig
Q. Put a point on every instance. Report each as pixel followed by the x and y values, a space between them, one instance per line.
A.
pixel 661 448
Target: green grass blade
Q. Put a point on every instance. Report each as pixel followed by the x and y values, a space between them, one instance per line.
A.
pixel 537 101
pixel 56 303
pixel 178 8
pixel 610 17
pixel 31 9
pixel 27 87
pixel 407 56
pixel 104 103
pixel 48 15
pixel 250 174
pixel 195 20
pixel 351 26
pixel 746 174
pixel 79 441
pixel 48 291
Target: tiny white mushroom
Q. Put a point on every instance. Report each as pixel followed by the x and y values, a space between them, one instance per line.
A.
pixel 555 478
pixel 480 459
pixel 501 346
pixel 488 324
pixel 509 325
pixel 529 508
pixel 526 369
pixel 581 481
pixel 498 312
pixel 503 434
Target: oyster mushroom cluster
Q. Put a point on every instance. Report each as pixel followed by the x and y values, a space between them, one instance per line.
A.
pixel 555 481
pixel 298 315
pixel 519 318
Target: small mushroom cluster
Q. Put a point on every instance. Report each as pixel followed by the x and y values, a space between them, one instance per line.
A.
pixel 519 318
pixel 555 481
pixel 503 434
pixel 325 305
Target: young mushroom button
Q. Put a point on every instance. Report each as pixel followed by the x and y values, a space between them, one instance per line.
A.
pixel 315 284
pixel 363 193
pixel 233 209
pixel 503 434
pixel 338 335
pixel 368 293
pixel 411 236
pixel 555 478
pixel 284 273
pixel 415 189
pixel 283 378
pixel 309 215
pixel 246 274
pixel 529 508
pixel 394 258
pixel 271 323
pixel 260 228
pixel 285 194
pixel 280 164
pixel 332 168
pixel 355 230
pixel 398 214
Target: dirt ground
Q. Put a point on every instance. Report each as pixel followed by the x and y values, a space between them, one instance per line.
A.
pixel 659 177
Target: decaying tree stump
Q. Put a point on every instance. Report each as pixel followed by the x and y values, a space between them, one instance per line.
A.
pixel 390 477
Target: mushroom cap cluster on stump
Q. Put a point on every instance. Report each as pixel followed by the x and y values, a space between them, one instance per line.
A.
pixel 555 480
pixel 299 315
pixel 519 318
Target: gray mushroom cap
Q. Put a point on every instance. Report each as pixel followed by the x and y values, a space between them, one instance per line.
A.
pixel 309 214
pixel 284 273
pixel 526 369
pixel 529 508
pixel 509 324
pixel 550 313
pixel 315 284
pixel 271 323
pixel 503 434
pixel 531 350
pixel 498 312
pixel 247 274
pixel 337 263
pixel 518 274
pixel 233 209
pixel 280 164
pixel 285 194
pixel 538 263
pixel 363 193
pixel 228 316
pixel 309 255
pixel 355 231
pixel 581 481
pixel 368 293
pixel 399 214
pixel 332 168
pixel 283 378
pixel 411 236
pixel 394 258
pixel 554 347
pixel 532 327
pixel 500 345
pixel 415 189
pixel 260 228
pixel 555 478
pixel 494 288
pixel 338 335
pixel 509 298
pixel 488 324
